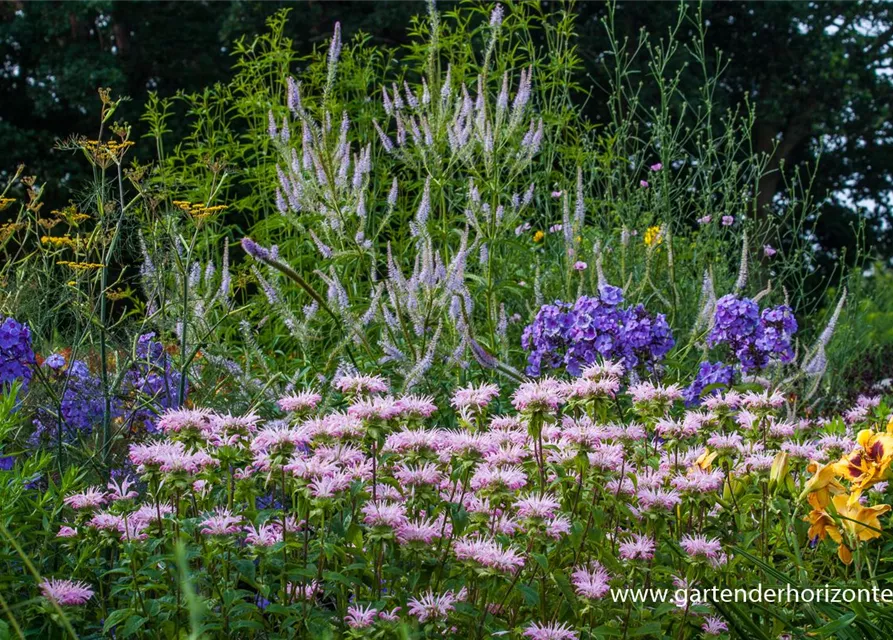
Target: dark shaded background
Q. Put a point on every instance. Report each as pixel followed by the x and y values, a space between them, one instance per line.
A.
pixel 818 74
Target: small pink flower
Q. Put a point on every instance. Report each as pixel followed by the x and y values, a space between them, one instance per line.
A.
pixel 580 265
pixel 90 499
pixel 359 617
pixel 556 194
pixel 591 581
pixel 222 523
pixel 300 402
pixel 705 220
pixel 728 221
pixel 67 532
pixel 550 631
pixel 656 167
pixel 66 592
pixel 769 250
pixel 644 184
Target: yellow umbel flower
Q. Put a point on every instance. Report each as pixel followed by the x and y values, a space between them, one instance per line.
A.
pixel 198 210
pixel 80 266
pixel 5 202
pixel 854 524
pixel 653 236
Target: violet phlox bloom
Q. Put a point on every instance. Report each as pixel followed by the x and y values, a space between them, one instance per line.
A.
pixel 637 547
pixel 591 581
pixel 222 523
pixel 432 607
pixel 66 592
pixel 550 630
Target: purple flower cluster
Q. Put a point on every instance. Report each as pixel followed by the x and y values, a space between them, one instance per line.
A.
pixel 152 384
pixel 16 354
pixel 753 337
pixel 708 374
pixel 81 406
pixel 595 328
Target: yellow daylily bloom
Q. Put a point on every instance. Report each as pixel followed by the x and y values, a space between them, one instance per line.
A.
pixel 870 464
pixel 855 524
pixel 705 460
pixel 823 484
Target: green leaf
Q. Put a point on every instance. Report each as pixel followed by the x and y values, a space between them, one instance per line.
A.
pixel 115 618
pixel 649 629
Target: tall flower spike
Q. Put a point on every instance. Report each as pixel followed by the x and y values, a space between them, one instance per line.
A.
pixel 825 338
pixel 580 205
pixel 742 268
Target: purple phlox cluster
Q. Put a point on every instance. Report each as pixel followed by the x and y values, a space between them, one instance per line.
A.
pixel 753 336
pixel 16 355
pixel 708 374
pixel 81 405
pixel 151 386
pixel 592 329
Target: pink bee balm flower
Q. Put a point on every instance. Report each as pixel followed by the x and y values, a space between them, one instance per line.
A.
pixel 187 420
pixel 591 581
pixel 418 475
pixel 361 384
pixel 359 617
pixel 558 526
pixel 67 532
pixel 121 490
pixel 487 553
pixel 475 397
pixel 66 592
pixel 384 514
pixel 300 402
pixel 390 616
pixel 606 369
pixel 701 546
pixel 90 499
pixel 431 607
pixel 265 535
pixel 637 547
pixel 538 506
pixel 556 194
pixel 543 395
pixel 416 406
pixel 221 523
pixel 579 265
pixel 713 626
pixel 303 591
pixel 550 631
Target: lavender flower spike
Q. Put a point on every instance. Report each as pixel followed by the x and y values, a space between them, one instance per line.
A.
pixel 256 251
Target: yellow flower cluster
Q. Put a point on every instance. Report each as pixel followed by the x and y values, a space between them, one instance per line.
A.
pixel 80 266
pixel 538 236
pixel 653 236
pixel 60 241
pixel 105 153
pixel 198 210
pixel 836 510
pixel 5 202
pixel 6 230
pixel 71 215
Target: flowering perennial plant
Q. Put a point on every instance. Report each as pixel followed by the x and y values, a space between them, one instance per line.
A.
pixel 375 516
